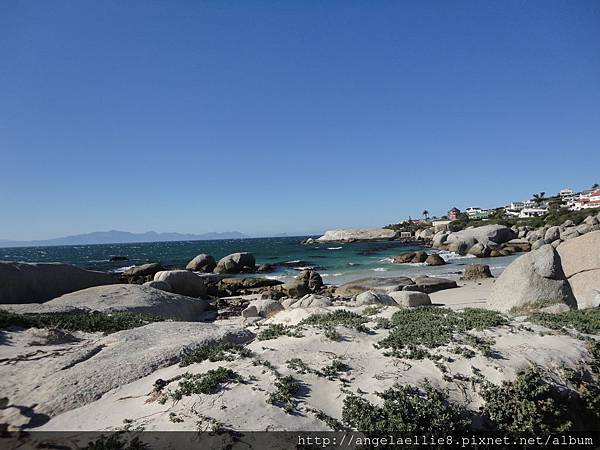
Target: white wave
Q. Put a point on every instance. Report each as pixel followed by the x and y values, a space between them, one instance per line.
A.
pixel 334 248
pixel 301 268
pixel 122 269
pixel 447 256
pixel 379 269
pixel 295 261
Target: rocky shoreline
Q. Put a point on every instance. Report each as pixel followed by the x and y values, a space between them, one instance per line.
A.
pixel 166 333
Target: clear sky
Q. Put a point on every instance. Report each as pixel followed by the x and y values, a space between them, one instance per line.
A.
pixel 288 116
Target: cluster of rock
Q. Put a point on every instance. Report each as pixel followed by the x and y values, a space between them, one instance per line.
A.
pixel 489 240
pixel 393 291
pixel 499 240
pixel 567 275
pixel 355 235
pixel 419 257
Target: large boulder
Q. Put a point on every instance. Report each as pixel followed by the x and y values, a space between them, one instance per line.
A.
pixel 308 301
pixel 535 278
pixel 410 299
pixel 262 308
pixel 488 235
pixel 236 263
pixel 374 284
pixel 143 270
pixel 312 279
pixel 429 285
pixel 480 250
pixel 476 272
pixel 307 281
pixel 435 260
pixel 75 374
pixel 410 257
pixel 162 285
pixel 552 234
pixel 132 298
pixel 373 298
pixel 439 239
pixel 183 282
pixel 38 282
pixel 580 259
pixel 202 263
pixel 358 234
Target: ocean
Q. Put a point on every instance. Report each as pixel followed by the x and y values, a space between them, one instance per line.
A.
pixel 337 263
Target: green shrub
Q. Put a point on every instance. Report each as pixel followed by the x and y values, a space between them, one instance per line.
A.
pixel 298 365
pixel 277 330
pixel 217 351
pixel 333 370
pixel 529 404
pixel 585 321
pixel 339 317
pixel 204 383
pixel 416 329
pixel 406 409
pixel 283 397
pixel 81 321
pixel 372 310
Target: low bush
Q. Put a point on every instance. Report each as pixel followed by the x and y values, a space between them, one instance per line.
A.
pixel 204 383
pixel 406 409
pixel 82 321
pixel 585 321
pixel 277 330
pixel 530 404
pixel 283 397
pixel 416 329
pixel 218 351
pixel 340 317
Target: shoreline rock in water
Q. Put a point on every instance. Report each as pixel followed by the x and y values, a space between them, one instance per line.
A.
pixel 355 235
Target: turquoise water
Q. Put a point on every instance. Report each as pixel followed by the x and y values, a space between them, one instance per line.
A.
pixel 337 263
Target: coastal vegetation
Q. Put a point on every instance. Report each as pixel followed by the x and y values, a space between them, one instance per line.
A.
pixel 406 409
pixel 204 383
pixel 416 331
pixel 218 351
pixel 339 317
pixel 81 321
pixel 276 330
pixel 585 321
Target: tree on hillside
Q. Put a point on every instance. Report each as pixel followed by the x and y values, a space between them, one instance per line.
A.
pixel 425 214
pixel 539 198
pixel 595 186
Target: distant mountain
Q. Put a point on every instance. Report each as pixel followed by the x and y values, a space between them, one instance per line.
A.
pixel 122 237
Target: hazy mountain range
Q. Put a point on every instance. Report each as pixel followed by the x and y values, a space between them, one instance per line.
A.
pixel 122 237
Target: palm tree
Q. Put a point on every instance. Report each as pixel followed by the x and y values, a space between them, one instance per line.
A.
pixel 425 214
pixel 539 198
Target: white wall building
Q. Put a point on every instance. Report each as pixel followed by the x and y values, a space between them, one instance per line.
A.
pixel 526 213
pixel 587 200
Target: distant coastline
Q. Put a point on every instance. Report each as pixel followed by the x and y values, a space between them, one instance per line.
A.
pixel 122 237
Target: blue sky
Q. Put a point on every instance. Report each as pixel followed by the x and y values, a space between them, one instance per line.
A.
pixel 288 116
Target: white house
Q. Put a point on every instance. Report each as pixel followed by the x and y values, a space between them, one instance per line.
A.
pixel 566 192
pixel 526 213
pixel 587 201
pixel 516 206
pixel 472 211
